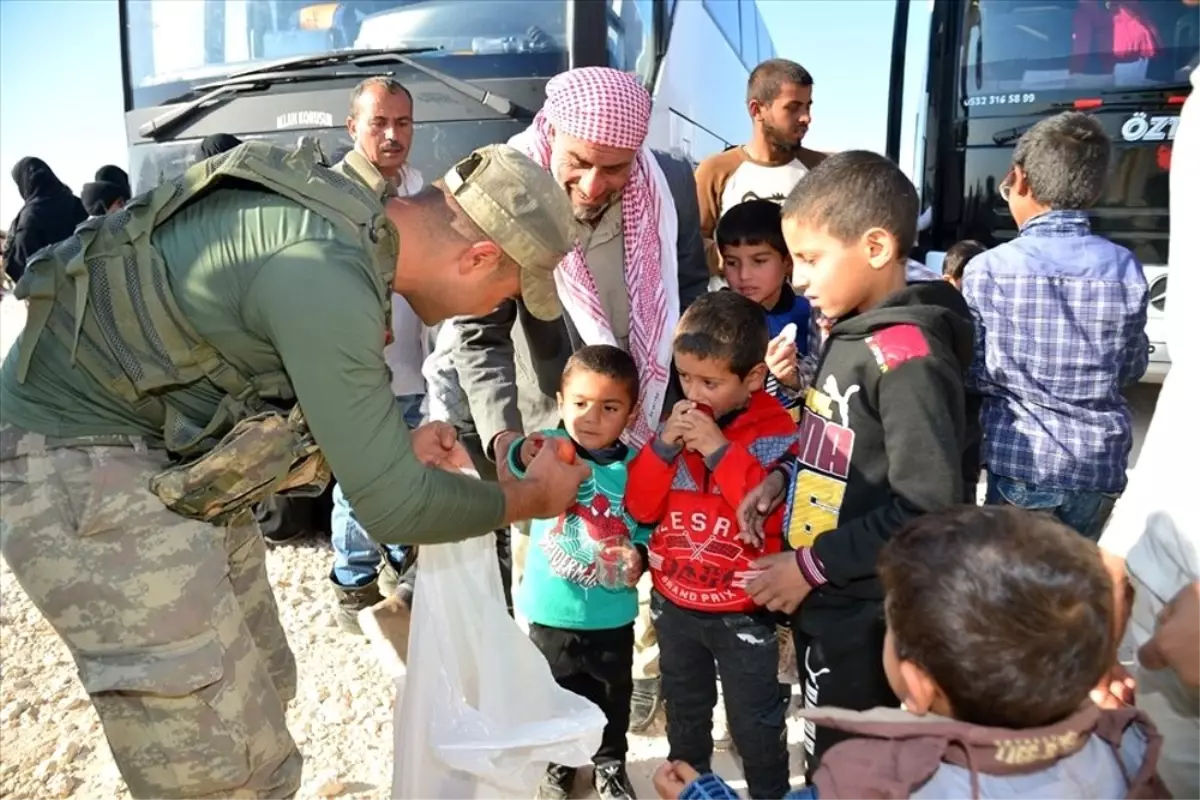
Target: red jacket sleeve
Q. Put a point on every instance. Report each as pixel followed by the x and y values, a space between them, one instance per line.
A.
pixel 648 485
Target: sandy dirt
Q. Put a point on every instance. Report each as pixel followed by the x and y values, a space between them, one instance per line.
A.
pixel 51 743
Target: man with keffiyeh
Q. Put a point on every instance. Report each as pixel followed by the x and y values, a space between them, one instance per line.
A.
pixel 639 265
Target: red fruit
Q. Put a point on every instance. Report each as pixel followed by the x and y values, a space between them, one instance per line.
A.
pixel 704 409
pixel 566 450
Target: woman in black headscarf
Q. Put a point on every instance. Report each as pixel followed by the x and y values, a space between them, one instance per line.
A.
pixel 49 215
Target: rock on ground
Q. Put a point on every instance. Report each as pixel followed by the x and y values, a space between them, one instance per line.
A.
pixel 51 743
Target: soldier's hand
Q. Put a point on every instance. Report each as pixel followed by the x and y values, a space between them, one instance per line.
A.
pixel 434 444
pixel 557 481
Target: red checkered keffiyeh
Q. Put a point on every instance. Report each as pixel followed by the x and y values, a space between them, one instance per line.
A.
pixel 609 107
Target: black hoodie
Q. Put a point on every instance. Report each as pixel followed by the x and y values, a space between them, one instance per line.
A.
pixel 110 173
pixel 49 215
pixel 881 441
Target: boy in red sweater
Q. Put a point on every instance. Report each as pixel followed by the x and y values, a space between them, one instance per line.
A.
pixel 717 444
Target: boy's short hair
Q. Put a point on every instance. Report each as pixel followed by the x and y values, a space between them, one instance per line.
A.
pixel 1009 611
pixel 853 191
pixel 724 325
pixel 957 257
pixel 1065 159
pixel 769 77
pixel 607 360
pixel 752 222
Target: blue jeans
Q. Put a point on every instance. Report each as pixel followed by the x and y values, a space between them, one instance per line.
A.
pixel 1084 511
pixel 356 557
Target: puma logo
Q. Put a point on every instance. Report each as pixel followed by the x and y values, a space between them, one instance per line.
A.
pixel 842 401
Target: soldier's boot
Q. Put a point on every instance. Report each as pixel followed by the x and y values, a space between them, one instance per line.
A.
pixel 352 599
pixel 387 624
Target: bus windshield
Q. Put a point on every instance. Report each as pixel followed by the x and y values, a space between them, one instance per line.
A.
pixel 1018 49
pixel 173 41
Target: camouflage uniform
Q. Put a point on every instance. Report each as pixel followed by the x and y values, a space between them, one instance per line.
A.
pixel 152 571
pixel 171 621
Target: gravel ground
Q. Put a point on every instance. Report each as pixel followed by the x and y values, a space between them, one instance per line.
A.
pixel 51 744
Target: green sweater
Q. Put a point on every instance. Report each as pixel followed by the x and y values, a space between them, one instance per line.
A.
pixel 559 588
pixel 272 285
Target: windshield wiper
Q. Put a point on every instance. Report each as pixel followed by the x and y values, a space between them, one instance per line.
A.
pixel 497 102
pixel 297 69
pixel 219 91
pixel 325 59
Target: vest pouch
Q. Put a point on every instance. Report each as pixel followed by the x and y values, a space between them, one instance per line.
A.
pixel 269 452
pixel 186 438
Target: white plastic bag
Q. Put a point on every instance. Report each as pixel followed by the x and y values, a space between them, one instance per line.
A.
pixel 12 322
pixel 481 715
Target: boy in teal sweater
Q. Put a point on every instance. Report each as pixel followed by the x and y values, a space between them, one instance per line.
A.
pixel 582 568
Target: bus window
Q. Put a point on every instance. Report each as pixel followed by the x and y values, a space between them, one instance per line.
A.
pixel 631 37
pixel 725 14
pixel 749 49
pixel 766 47
pixel 1012 49
pixel 170 41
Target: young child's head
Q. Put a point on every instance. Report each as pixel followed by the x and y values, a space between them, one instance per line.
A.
pixel 996 616
pixel 720 351
pixel 753 253
pixel 955 262
pixel 598 394
pixel 849 225
pixel 1060 163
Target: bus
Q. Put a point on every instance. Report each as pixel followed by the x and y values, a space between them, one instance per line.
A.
pixel 282 70
pixel 979 73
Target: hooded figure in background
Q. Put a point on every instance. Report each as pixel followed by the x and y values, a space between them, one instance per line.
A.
pixel 217 143
pixel 49 215
pixel 110 173
pixel 101 197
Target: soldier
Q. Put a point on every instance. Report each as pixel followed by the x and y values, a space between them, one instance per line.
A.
pixel 146 399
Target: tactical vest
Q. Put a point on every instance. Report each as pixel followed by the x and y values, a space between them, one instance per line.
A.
pixel 105 293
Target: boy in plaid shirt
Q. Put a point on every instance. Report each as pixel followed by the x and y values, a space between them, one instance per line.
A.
pixel 1060 328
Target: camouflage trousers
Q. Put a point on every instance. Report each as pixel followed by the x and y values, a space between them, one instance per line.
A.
pixel 172 622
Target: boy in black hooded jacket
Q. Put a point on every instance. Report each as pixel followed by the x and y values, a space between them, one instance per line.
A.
pixel 881 433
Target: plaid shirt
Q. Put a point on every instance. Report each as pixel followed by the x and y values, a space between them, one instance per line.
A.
pixel 1060 328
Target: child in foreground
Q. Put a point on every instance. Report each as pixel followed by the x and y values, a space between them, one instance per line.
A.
pixel 688 481
pixel 881 433
pixel 581 570
pixel 757 266
pixel 998 626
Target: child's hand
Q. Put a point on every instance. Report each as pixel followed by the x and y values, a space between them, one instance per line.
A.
pixel 783 360
pixel 618 564
pixel 677 423
pixel 702 434
pixel 759 503
pixel 672 778
pixel 529 448
pixel 776 583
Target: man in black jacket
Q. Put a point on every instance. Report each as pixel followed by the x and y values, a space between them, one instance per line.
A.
pixel 639 266
pixel 49 215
